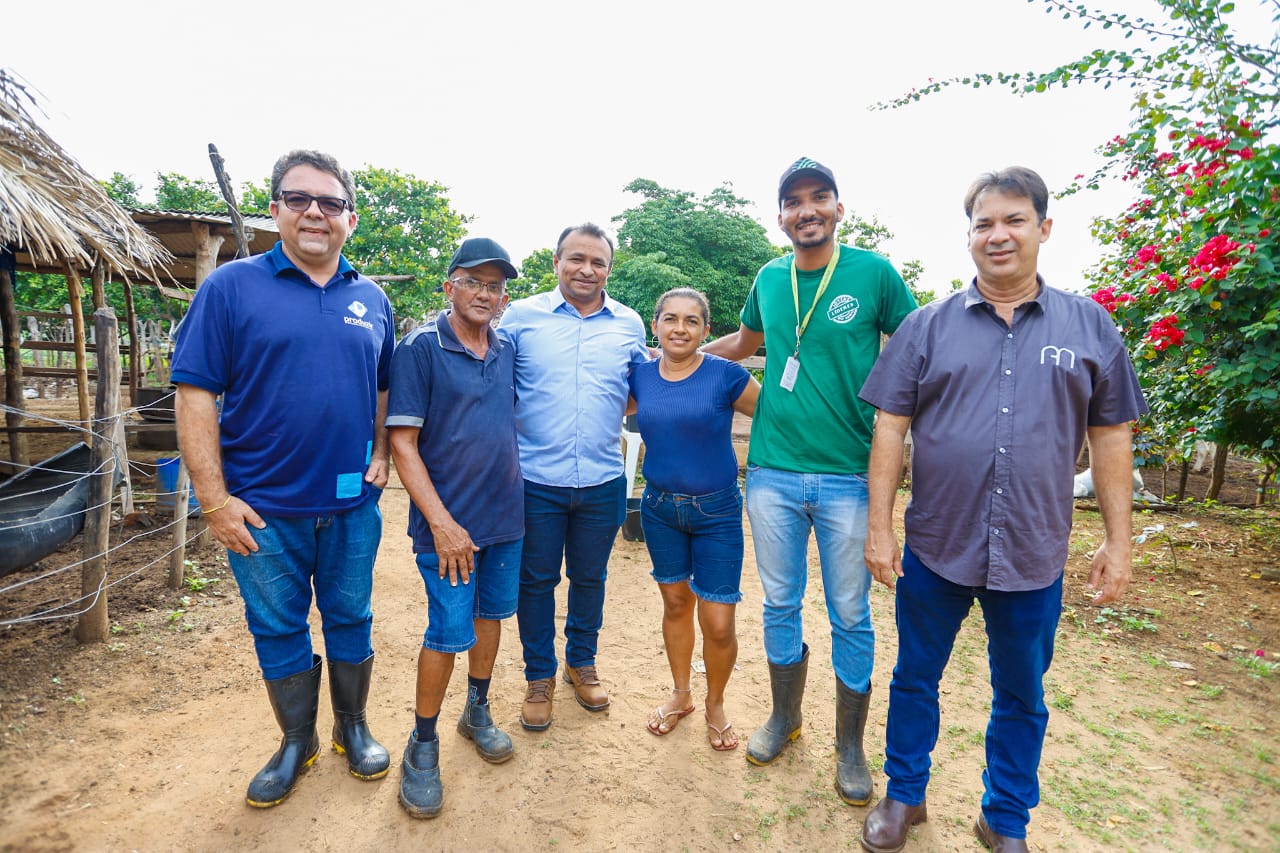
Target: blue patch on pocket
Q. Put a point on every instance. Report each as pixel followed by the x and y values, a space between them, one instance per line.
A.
pixel 350 485
pixel 368 454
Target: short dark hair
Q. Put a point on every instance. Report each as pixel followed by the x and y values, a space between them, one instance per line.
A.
pixel 684 293
pixel 1017 181
pixel 316 160
pixel 590 229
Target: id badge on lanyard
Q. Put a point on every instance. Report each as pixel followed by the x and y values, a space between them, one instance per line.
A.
pixel 791 372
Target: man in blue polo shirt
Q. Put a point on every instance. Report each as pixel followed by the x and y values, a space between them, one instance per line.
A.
pixel 574 347
pixel 452 420
pixel 298 345
pixel 999 386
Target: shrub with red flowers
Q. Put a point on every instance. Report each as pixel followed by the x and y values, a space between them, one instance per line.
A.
pixel 1191 269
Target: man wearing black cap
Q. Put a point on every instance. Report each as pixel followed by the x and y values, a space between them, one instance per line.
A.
pixel 820 312
pixel 451 416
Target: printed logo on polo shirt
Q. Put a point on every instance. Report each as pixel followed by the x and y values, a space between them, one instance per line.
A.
pixel 357 307
pixel 842 309
pixel 1061 356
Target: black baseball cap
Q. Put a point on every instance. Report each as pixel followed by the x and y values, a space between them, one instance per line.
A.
pixel 805 168
pixel 475 251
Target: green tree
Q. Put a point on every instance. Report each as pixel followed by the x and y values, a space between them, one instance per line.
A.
pixel 1190 268
pixel 407 227
pixel 537 275
pixel 871 235
pixel 672 238
pixel 122 189
pixel 178 192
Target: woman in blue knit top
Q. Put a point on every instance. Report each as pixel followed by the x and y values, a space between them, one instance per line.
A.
pixel 691 512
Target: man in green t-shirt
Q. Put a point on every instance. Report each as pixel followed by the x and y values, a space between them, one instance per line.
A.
pixel 820 313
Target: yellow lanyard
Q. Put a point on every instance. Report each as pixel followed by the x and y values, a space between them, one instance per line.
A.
pixel 801 325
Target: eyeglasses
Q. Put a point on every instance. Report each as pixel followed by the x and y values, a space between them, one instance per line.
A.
pixel 300 202
pixel 474 285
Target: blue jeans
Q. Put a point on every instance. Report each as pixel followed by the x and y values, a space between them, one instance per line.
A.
pixel 783 507
pixel 1020 630
pixel 574 528
pixel 491 594
pixel 696 538
pixel 332 553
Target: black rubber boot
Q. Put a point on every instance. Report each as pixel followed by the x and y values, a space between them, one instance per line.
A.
pixel 349 690
pixel 853 778
pixel 295 700
pixel 787 682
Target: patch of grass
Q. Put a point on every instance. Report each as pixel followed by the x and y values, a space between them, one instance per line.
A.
pixel 1258 667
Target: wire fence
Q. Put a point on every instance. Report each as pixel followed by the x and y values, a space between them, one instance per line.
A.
pixel 60 606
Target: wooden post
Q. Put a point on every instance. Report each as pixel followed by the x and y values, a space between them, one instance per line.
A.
pixel 12 369
pixel 75 290
pixel 98 281
pixel 135 350
pixel 178 556
pixel 93 627
pixel 237 221
pixel 207 246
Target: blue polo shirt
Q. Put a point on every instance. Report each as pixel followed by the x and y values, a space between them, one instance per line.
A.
pixel 464 408
pixel 299 368
pixel 998 414
pixel 571 386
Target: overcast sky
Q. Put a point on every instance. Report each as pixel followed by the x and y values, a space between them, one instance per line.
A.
pixel 536 115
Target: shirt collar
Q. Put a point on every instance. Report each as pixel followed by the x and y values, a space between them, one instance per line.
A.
pixel 449 339
pixel 280 262
pixel 973 296
pixel 558 301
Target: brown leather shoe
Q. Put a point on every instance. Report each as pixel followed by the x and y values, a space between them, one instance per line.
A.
pixel 997 842
pixel 587 687
pixel 535 713
pixel 888 824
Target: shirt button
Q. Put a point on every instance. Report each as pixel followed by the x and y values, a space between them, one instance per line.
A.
pixel 1010 335
pixel 1007 372
pixel 999 491
pixel 1004 410
pixel 1002 450
pixel 995 531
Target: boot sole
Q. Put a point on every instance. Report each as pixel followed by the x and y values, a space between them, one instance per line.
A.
pixel 491 757
pixel 849 801
pixel 765 763
pixel 419 813
pixel 535 727
pixel 593 708
pixel 338 748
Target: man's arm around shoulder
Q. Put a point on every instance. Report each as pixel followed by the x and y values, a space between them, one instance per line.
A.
pixel 737 345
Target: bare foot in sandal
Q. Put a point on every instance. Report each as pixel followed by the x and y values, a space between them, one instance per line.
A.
pixel 664 718
pixel 720 731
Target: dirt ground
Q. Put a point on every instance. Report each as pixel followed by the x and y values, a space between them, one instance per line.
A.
pixel 1163 731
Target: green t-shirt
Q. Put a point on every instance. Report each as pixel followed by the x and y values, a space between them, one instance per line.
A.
pixel 820 426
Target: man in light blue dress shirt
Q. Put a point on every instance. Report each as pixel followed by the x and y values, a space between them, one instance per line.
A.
pixel 574 348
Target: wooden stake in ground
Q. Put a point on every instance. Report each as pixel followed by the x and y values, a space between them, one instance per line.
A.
pixel 93 625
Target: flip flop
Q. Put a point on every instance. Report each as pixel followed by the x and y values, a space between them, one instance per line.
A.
pixel 720 735
pixel 664 716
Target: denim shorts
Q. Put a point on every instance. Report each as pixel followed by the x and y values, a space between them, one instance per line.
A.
pixel 697 538
pixel 452 610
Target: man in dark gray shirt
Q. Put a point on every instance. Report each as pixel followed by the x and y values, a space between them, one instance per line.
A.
pixel 999 386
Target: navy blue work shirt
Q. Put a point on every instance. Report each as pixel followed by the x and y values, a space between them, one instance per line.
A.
pixel 998 416
pixel 465 409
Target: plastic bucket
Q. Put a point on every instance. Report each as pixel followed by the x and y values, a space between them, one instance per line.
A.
pixel 167 484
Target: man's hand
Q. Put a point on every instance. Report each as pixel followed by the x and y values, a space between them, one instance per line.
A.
pixel 454 549
pixel 378 472
pixel 230 525
pixel 882 556
pixel 1110 572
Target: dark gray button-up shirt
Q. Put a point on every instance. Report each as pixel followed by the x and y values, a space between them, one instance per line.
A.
pixel 998 417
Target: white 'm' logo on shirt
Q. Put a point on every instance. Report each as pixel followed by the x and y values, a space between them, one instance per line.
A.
pixel 1057 354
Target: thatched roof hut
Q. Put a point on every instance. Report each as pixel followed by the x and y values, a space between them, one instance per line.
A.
pixel 51 210
pixel 54 214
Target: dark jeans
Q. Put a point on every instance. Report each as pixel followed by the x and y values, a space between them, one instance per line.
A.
pixel 574 528
pixel 1020 630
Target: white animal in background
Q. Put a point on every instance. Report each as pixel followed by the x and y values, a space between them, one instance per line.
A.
pixel 1084 487
pixel 1204 451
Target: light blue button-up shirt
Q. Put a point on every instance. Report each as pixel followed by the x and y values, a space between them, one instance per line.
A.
pixel 571 386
